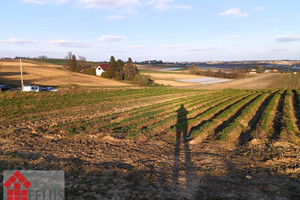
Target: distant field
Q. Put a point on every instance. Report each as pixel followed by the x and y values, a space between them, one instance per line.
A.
pixel 45 74
pixel 264 81
pixel 182 141
pixel 61 62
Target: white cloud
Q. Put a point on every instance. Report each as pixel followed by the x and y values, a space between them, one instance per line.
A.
pixel 110 38
pixel 127 5
pixel 66 43
pixel 259 8
pixel 170 47
pixel 18 41
pixel 234 12
pixel 41 2
pixel 135 46
pixel 110 4
pixel 279 50
pixel 34 1
pixel 167 5
pixel 99 4
pixel 193 48
pixel 288 38
pixel 115 17
pixel 235 36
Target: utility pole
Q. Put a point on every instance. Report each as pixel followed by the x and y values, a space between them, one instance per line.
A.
pixel 21 69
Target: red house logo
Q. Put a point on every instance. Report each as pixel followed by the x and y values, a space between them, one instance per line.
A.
pixel 17 194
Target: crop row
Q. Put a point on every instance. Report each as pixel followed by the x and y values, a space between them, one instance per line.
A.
pixel 16 104
pixel 246 111
pixel 167 121
pixel 289 127
pixel 105 123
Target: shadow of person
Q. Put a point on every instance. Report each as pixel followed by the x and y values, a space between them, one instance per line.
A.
pixel 182 135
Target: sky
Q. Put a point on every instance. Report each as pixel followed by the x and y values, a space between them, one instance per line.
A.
pixel 168 30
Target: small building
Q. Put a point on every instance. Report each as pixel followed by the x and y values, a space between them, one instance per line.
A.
pixel 271 70
pixel 253 71
pixel 101 68
pixel 30 88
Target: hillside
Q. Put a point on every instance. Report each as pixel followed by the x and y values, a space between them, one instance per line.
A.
pixel 47 74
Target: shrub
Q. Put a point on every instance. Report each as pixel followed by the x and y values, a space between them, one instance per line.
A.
pixel 90 71
pixel 142 80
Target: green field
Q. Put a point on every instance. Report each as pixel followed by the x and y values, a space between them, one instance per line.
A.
pixel 133 141
pixel 220 113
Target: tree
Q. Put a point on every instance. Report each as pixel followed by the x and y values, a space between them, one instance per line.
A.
pixel 81 64
pixel 68 60
pixel 73 64
pixel 193 69
pixel 110 73
pixel 42 57
pixel 130 70
pixel 260 69
pixel 119 70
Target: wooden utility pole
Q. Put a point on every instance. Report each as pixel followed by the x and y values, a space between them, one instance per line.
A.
pixel 21 69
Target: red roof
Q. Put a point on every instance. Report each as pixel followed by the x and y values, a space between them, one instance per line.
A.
pixel 104 66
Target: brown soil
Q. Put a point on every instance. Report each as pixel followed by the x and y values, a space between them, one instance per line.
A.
pixel 102 167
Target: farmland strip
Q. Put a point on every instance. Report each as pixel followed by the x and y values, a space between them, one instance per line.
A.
pixel 225 130
pixel 222 115
pixel 289 129
pixel 262 114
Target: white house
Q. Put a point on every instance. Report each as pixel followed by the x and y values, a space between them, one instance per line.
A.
pixel 253 71
pixel 101 68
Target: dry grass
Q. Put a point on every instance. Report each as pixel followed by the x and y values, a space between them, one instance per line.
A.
pixel 48 74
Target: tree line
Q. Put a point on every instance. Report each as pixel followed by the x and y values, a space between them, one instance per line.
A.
pixel 118 69
pixel 219 74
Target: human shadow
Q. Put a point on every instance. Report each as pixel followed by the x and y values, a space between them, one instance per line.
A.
pixel 182 136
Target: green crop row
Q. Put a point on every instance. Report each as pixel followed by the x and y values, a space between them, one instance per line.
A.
pixel 171 118
pixel 266 117
pixel 288 124
pixel 249 110
pixel 134 114
pixel 225 113
pixel 17 104
pixel 210 107
pixel 164 111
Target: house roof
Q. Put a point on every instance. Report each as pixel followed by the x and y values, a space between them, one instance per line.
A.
pixel 104 66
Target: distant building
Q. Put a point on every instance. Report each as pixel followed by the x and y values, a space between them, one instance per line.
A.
pixel 253 71
pixel 271 70
pixel 101 68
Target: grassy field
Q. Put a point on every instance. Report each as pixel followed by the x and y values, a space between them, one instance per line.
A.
pixel 157 143
pixel 61 62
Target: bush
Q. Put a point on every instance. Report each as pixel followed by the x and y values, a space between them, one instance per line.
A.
pixel 90 71
pixel 142 80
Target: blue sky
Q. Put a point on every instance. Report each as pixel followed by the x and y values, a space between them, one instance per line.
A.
pixel 168 30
